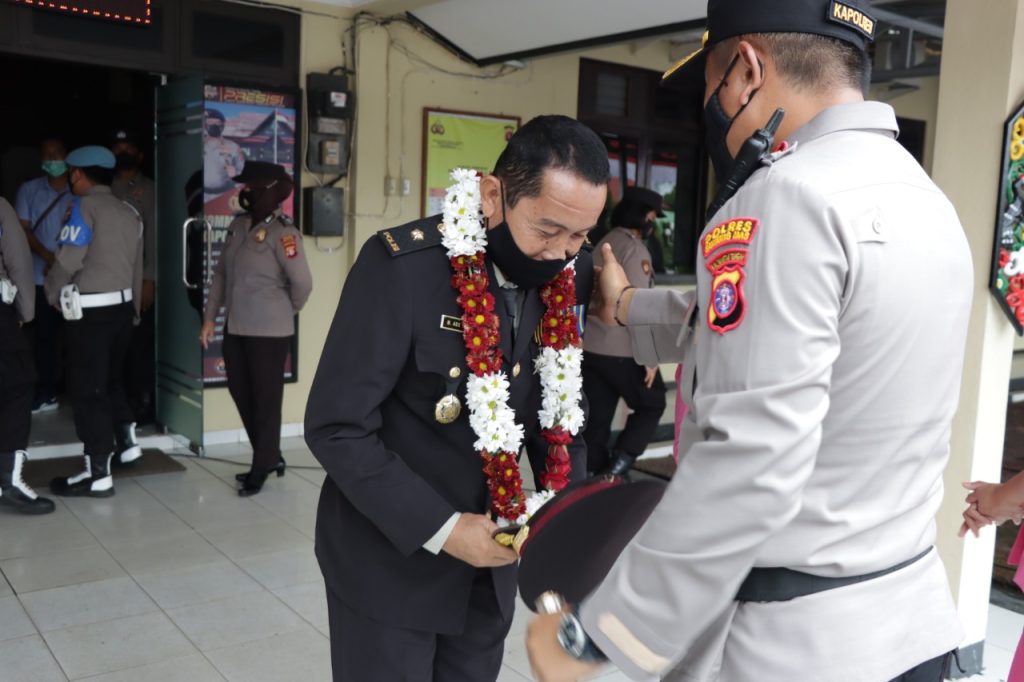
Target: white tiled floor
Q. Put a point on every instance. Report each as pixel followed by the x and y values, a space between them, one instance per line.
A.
pixel 177 578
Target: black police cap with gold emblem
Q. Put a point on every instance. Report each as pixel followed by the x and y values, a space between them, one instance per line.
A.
pixel 572 541
pixel 847 20
pixel 261 171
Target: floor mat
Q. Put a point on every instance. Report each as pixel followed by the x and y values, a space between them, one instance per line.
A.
pixel 39 472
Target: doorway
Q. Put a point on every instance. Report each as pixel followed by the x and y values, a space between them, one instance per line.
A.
pixel 78 105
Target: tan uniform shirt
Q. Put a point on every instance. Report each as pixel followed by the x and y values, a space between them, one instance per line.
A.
pixel 99 249
pixel 140 192
pixel 635 259
pixel 16 261
pixel 262 278
pixel 823 373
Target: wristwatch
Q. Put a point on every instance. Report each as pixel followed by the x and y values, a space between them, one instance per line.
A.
pixel 575 641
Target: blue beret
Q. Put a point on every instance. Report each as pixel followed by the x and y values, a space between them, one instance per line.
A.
pixel 93 155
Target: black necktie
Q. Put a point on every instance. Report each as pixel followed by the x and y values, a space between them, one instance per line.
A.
pixel 511 297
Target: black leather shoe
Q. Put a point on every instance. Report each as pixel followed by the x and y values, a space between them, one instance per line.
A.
pixel 621 465
pixel 279 469
pixel 252 484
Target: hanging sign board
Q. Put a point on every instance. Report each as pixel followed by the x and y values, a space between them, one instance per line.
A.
pixel 1007 282
pixel 125 11
pixel 458 139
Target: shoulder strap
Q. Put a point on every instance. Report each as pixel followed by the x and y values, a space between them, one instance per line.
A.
pixel 49 208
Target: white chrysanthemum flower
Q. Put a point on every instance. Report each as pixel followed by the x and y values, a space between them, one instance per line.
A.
pixel 534 501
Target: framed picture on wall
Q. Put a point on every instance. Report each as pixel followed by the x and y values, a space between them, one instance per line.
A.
pixel 459 139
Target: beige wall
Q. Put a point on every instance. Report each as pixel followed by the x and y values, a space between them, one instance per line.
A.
pixel 391 91
pixel 921 104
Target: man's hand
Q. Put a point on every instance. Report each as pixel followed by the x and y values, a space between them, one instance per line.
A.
pixel 148 294
pixel 649 376
pixel 611 280
pixel 548 660
pixel 471 542
pixel 206 334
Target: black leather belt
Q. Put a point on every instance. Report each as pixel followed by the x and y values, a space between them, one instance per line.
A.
pixel 783 584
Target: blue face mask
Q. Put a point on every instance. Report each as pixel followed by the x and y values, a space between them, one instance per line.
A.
pixel 55 169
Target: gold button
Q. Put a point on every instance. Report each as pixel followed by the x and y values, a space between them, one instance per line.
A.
pixel 455 372
pixel 516 370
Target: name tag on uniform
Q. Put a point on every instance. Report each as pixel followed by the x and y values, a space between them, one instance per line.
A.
pixel 452 324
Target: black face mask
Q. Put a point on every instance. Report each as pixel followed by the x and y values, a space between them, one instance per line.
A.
pixel 716 128
pixel 126 161
pixel 214 131
pixel 526 272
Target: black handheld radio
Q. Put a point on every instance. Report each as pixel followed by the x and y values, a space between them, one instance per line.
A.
pixel 747 161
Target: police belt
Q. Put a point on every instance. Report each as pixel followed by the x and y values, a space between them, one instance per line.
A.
pixel 103 300
pixel 783 584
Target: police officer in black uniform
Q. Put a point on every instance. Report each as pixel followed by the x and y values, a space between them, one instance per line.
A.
pixel 417 588
pixel 17 373
pixel 97 281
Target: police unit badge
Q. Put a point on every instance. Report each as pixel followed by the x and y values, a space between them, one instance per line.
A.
pixel 290 245
pixel 727 306
pixel 261 235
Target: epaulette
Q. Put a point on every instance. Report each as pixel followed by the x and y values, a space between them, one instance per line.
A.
pixel 412 237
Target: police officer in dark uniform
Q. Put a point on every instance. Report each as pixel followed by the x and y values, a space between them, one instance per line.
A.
pixel 609 371
pixel 131 186
pixel 262 280
pixel 17 374
pixel 97 282
pixel 417 588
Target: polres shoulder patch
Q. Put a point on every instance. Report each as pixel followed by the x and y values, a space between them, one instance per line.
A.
pixel 735 231
pixel 76 232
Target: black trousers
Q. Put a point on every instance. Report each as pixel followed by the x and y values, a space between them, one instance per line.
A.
pixel 935 670
pixel 46 331
pixel 97 346
pixel 606 379
pixel 255 369
pixel 363 650
pixel 17 379
pixel 140 370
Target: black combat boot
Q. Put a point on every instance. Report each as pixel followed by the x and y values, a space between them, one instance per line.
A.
pixel 17 494
pixel 128 450
pixel 94 481
pixel 621 465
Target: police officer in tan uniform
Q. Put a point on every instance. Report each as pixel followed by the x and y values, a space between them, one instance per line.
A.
pixel 609 371
pixel 131 186
pixel 97 281
pixel 262 280
pixel 823 367
pixel 17 375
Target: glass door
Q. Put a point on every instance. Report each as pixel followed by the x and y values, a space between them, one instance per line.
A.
pixel 181 270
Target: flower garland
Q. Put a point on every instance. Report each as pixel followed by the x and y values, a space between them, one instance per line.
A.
pixel 499 437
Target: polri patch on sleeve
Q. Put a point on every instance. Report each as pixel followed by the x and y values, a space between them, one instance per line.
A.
pixel 76 232
pixel 291 246
pixel 735 231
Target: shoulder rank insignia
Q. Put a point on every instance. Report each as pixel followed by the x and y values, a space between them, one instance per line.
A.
pixel 409 238
pixel 727 306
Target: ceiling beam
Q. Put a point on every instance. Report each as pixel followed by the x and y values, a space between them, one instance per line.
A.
pixel 897 19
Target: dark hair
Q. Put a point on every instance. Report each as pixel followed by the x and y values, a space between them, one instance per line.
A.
pixel 631 214
pixel 550 142
pixel 98 175
pixel 812 62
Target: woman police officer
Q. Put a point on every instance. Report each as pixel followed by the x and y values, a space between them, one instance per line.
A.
pixel 262 279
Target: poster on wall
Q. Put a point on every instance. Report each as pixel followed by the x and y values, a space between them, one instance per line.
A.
pixel 459 139
pixel 1008 266
pixel 242 124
